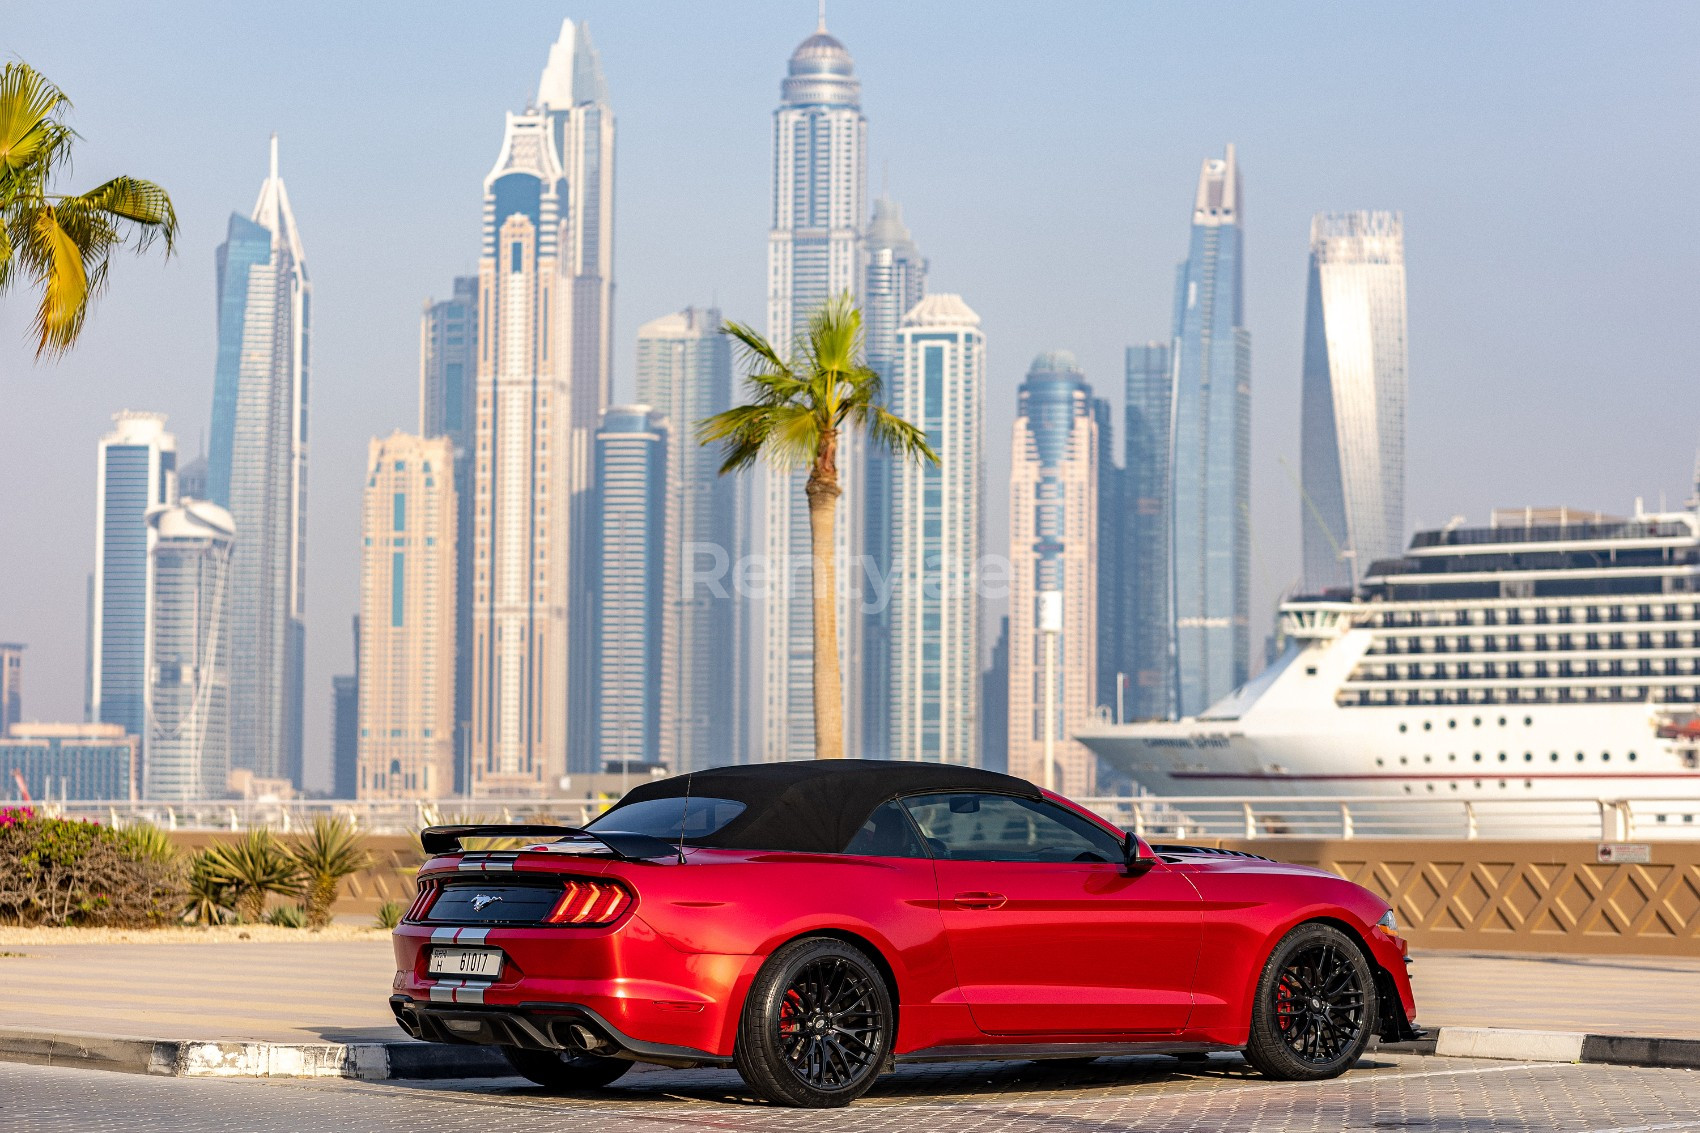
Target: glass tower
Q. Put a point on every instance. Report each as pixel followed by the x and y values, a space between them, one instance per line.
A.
pixel 936 520
pixel 1353 441
pixel 895 280
pixel 630 530
pixel 684 370
pixel 137 463
pixel 257 470
pixel 1210 442
pixel 1144 533
pixel 186 749
pixel 814 249
pixel 448 367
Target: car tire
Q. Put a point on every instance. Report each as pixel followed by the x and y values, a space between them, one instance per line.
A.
pixel 1315 1009
pixel 817 1025
pixel 566 1072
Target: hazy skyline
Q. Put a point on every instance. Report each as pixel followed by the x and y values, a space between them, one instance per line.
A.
pixel 1045 158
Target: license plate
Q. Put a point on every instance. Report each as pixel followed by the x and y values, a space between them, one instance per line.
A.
pixel 466 962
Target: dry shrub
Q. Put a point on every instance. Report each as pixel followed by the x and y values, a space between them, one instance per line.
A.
pixel 59 872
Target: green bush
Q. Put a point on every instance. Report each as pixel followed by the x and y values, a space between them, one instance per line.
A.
pixel 389 914
pixel 325 856
pixel 251 870
pixel 58 872
pixel 288 916
pixel 208 900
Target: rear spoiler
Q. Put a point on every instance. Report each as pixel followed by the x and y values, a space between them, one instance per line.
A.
pixel 631 847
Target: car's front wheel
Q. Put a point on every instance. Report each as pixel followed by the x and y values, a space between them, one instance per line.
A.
pixel 1315 1006
pixel 564 1072
pixel 817 1025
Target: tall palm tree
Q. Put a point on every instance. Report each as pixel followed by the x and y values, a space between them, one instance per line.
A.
pixel 797 414
pixel 62 241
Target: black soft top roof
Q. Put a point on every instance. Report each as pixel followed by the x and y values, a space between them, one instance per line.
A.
pixel 814 806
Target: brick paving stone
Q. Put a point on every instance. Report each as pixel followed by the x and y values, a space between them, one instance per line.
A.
pixel 1152 1095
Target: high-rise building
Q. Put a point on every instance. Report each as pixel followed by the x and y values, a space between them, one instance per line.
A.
pixel 257 470
pixel 1210 453
pixel 71 761
pixel 1053 523
pixel 448 370
pixel 345 736
pixel 137 470
pixel 186 747
pixel 684 370
pixel 572 97
pixel 192 479
pixel 11 685
pixel 814 251
pixel 545 297
pixel 1352 451
pixel 895 280
pixel 1147 629
pixel 630 537
pixel 994 704
pixel 407 619
pixel 936 518
pixel 1112 647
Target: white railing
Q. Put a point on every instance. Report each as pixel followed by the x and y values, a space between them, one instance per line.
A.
pixel 1160 818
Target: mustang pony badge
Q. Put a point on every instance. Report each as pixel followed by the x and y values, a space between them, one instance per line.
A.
pixel 483 899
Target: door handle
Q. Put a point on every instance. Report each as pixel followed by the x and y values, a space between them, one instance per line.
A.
pixel 979 900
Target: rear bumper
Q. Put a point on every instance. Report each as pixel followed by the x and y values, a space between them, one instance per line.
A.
pixel 568 1027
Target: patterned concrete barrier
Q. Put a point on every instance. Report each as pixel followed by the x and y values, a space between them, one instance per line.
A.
pixel 1485 895
pixel 1521 896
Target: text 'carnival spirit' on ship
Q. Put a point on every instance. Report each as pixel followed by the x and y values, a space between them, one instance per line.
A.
pixel 1553 654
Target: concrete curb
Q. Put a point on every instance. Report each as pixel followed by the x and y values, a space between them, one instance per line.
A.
pixel 1556 1046
pixel 193 1059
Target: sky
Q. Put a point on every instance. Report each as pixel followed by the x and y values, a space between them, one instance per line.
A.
pixel 1045 156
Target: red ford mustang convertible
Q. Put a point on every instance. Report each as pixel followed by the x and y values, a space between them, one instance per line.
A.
pixel 812 924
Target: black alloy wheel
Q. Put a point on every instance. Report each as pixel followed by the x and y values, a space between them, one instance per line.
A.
pixel 817 1025
pixel 1315 1006
pixel 566 1072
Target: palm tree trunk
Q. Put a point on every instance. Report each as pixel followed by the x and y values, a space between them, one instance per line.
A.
pixel 822 493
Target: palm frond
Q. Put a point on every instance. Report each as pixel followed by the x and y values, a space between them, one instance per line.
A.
pixel 894 434
pixel 50 254
pixel 34 142
pixel 145 205
pixel 794 436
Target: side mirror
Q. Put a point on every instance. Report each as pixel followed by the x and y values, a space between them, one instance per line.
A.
pixel 1137 855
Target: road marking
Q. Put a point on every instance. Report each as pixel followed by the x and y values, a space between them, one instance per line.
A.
pixel 1695 1124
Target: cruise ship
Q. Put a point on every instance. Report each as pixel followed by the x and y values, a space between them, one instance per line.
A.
pixel 1552 654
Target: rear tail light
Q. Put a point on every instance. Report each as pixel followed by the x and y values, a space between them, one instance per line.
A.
pixel 422 901
pixel 590 903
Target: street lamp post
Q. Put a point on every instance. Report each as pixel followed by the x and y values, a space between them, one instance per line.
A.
pixel 1050 625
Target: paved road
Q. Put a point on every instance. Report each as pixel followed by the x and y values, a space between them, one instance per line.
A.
pixel 1151 1095
pixel 315 990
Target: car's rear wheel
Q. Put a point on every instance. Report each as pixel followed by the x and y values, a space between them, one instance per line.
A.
pixel 564 1071
pixel 817 1025
pixel 1315 1006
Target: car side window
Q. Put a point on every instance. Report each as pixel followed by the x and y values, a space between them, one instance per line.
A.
pixel 1005 828
pixel 888 833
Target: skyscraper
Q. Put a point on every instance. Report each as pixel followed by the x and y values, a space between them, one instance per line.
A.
pixel 345 736
pixel 684 370
pixel 814 252
pixel 1352 453
pixel 572 96
pixel 257 470
pixel 186 747
pixel 448 370
pixel 630 537
pixel 1053 522
pixel 895 280
pixel 407 619
pixel 11 685
pixel 544 302
pixel 936 519
pixel 137 470
pixel 1210 455
pixel 994 704
pixel 1147 628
